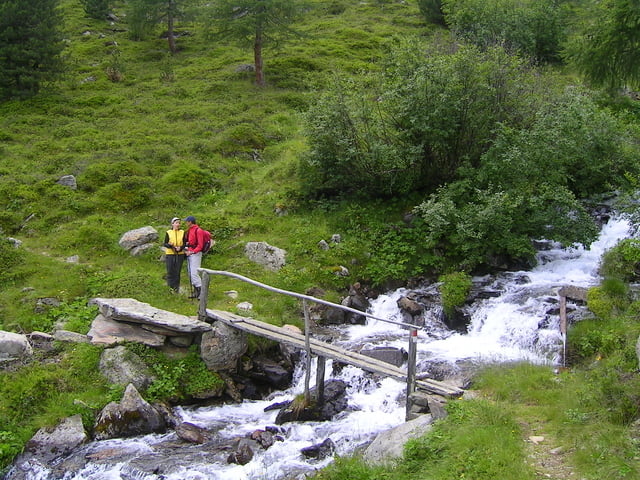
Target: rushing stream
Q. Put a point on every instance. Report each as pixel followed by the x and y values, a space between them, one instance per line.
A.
pixel 516 324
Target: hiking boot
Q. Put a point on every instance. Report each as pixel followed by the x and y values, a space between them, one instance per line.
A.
pixel 195 293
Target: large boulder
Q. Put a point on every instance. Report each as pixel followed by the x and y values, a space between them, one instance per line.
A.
pixel 121 366
pixel 131 417
pixel 388 446
pixel 272 258
pixel 46 446
pixel 14 346
pixel 335 401
pixel 140 237
pixel 222 347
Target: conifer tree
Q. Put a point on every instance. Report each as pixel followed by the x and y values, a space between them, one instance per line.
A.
pixel 30 46
pixel 606 45
pixel 256 23
pixel 96 8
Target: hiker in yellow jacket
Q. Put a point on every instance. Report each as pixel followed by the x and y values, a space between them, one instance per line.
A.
pixel 174 243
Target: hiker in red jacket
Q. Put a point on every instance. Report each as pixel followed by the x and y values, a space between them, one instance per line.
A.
pixel 195 242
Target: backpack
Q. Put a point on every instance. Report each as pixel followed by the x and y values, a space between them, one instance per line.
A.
pixel 207 241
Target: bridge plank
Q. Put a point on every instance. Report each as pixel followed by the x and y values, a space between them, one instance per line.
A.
pixel 328 350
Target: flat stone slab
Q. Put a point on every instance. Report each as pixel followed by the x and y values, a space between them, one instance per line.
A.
pixel 134 311
pixel 105 331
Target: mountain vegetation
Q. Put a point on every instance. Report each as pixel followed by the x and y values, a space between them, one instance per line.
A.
pixel 438 138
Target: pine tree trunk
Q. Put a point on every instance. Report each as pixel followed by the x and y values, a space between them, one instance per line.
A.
pixel 257 56
pixel 170 36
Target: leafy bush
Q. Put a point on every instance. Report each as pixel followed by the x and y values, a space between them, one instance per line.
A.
pixel 398 252
pixel 432 11
pixel 177 379
pixel 591 338
pixel 454 290
pixel 10 257
pixel 414 128
pixel 188 180
pixel 622 261
pixel 76 315
pixel 607 302
pixel 96 8
pixel 354 147
pixel 535 28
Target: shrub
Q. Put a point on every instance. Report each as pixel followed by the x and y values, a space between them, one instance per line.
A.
pixel 608 299
pixel 622 261
pixel 535 28
pixel 454 290
pixel 188 180
pixel 10 258
pixel 128 194
pixel 177 379
pixel 432 11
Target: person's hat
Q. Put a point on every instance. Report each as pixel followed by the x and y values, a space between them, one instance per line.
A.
pixel 191 219
pixel 174 219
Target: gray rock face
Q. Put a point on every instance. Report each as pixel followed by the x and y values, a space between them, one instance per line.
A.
pixel 68 181
pixel 389 445
pixel 272 258
pixel 62 439
pixel 138 237
pixel 122 367
pixel 222 347
pixel 394 356
pixel 14 346
pixel 131 417
pixel 46 446
pixel 105 331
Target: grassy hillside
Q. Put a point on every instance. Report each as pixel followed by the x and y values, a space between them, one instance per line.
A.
pixel 179 135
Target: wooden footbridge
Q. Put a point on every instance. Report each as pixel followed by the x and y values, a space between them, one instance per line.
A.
pixel 323 350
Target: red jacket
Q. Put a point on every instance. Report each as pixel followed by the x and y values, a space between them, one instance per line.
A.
pixel 194 239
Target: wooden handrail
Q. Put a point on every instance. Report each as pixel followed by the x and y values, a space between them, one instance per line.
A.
pixel 413 336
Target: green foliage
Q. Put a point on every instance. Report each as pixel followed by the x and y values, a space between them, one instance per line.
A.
pixel 454 290
pixel 188 180
pixel 592 338
pixel 605 42
pixel 520 383
pixel 76 315
pixel 10 257
pixel 414 129
pixel 535 28
pixel 398 251
pixel 608 299
pixel 124 285
pixel 572 144
pixel 10 446
pixel 254 24
pixel 354 147
pixel 142 17
pixel 622 261
pixel 30 46
pixel 177 379
pixel 432 11
pixel 98 9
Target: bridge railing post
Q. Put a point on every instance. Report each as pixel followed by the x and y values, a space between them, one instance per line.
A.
pixel 411 370
pixel 307 345
pixel 204 293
